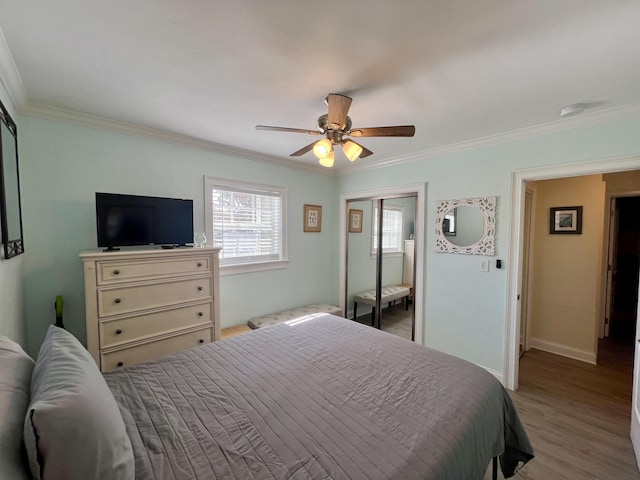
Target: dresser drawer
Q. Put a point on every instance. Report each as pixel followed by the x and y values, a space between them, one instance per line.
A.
pixel 117 332
pixel 134 298
pixel 134 270
pixel 151 351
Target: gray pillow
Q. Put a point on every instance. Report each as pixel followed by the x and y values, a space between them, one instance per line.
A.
pixel 73 428
pixel 15 378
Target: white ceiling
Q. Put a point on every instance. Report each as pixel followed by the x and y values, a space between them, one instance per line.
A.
pixel 459 70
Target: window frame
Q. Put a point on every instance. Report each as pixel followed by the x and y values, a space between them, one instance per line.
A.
pixel 248 266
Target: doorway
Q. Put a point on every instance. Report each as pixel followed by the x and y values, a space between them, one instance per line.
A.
pixel 367 265
pixel 623 266
pixel 516 236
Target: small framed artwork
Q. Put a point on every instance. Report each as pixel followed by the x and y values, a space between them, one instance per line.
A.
pixel 312 218
pixel 355 221
pixel 565 220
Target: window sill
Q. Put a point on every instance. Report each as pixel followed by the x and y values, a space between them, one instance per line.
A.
pixel 388 254
pixel 253 267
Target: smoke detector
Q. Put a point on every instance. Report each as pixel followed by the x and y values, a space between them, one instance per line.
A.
pixel 573 109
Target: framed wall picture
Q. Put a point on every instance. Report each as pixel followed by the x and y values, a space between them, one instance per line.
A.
pixel 312 218
pixel 565 220
pixel 355 221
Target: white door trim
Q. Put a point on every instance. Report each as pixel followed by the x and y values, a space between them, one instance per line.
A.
pixel 418 189
pixel 526 307
pixel 514 266
pixel 608 255
pixel 609 238
pixel 635 396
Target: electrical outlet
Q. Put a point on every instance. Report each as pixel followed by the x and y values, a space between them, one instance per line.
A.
pixel 484 266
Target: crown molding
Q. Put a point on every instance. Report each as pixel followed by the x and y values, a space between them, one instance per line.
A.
pixel 106 124
pixel 10 76
pixel 70 117
pixel 556 126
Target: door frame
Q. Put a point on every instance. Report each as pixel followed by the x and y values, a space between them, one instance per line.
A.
pixel 635 395
pixel 609 249
pixel 416 189
pixel 527 260
pixel 516 226
pixel 610 239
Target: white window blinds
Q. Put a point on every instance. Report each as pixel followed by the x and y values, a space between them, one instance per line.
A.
pixel 392 228
pixel 247 222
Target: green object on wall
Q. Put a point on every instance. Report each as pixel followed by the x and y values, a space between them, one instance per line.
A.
pixel 58 305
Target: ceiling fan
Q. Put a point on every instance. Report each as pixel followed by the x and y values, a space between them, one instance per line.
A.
pixel 334 126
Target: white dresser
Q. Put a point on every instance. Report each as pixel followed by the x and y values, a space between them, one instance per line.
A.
pixel 145 304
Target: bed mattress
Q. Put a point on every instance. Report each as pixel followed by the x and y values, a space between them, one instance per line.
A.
pixel 318 398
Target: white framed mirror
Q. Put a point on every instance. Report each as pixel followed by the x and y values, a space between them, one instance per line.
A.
pixel 466 226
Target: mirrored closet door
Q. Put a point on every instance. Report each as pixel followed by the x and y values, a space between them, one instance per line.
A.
pixel 380 263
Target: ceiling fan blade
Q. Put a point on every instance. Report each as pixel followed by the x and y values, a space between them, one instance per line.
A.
pixel 303 150
pixel 397 131
pixel 365 151
pixel 338 109
pixel 287 129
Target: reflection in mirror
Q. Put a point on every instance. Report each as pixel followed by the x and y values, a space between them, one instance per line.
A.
pixel 11 221
pixel 449 223
pixel 395 275
pixel 469 226
pixel 398 266
pixel 361 265
pixel 474 226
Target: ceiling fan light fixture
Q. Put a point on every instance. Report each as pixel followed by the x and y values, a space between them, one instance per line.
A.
pixel 328 160
pixel 322 148
pixel 351 149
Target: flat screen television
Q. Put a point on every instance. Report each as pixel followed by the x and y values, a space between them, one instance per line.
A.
pixel 130 220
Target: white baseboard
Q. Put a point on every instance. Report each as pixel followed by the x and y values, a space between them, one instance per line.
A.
pixel 563 350
pixel 495 373
pixel 635 440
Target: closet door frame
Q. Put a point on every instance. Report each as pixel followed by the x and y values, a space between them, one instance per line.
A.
pixel 419 191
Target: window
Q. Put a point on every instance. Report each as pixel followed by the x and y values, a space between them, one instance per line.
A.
pixel 247 221
pixel 392 229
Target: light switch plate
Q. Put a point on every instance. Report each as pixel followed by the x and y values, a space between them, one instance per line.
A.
pixel 484 266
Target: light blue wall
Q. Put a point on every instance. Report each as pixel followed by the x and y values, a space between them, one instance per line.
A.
pixel 465 308
pixel 12 322
pixel 64 165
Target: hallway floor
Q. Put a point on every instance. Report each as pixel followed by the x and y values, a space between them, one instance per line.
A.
pixel 578 415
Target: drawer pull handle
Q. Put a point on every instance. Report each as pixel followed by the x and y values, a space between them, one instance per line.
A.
pixel 199 264
pixel 116 272
pixel 201 340
pixel 117 300
pixel 118 332
pixel 120 364
pixel 200 314
pixel 199 289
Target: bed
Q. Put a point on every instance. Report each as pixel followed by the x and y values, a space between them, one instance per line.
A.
pixel 321 397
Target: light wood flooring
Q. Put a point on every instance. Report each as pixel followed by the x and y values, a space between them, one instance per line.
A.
pixel 577 415
pixel 233 331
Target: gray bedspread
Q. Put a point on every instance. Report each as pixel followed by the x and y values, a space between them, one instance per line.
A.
pixel 326 398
